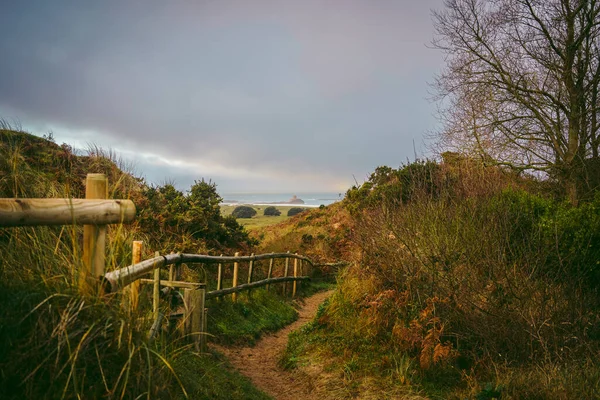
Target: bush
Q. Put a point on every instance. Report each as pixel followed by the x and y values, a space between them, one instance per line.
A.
pixel 295 211
pixel 272 211
pixel 244 212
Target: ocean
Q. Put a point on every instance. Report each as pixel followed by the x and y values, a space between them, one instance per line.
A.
pixel 310 199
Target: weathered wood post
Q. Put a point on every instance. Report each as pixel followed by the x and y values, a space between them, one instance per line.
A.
pixel 270 271
pixel 285 274
pixel 94 236
pixel 295 276
pixel 235 277
pixel 134 291
pixel 220 275
pixel 250 273
pixel 251 269
pixel 172 271
pixel 194 323
pixel 156 290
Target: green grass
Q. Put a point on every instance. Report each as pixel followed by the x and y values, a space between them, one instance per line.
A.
pixel 210 377
pixel 259 220
pixel 244 321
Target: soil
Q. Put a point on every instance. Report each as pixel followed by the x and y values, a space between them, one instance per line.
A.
pixel 259 363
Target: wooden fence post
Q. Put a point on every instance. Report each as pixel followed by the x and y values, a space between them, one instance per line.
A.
pixel 134 291
pixel 235 277
pixel 194 322
pixel 285 274
pixel 156 291
pixel 250 273
pixel 172 272
pixel 220 275
pixel 251 269
pixel 270 271
pixel 94 236
pixel 295 276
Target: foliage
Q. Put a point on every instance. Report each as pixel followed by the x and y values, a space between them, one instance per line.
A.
pixel 243 212
pixel 460 287
pixel 167 214
pixel 391 187
pixel 295 211
pixel 574 232
pixel 272 211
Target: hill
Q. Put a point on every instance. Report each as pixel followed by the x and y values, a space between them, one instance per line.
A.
pixel 466 281
pixel 59 342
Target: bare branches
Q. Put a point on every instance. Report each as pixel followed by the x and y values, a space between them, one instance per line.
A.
pixel 521 81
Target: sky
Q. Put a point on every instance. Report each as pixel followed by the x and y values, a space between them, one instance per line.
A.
pixel 258 96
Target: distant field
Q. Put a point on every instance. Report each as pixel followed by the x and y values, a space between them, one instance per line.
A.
pixel 259 220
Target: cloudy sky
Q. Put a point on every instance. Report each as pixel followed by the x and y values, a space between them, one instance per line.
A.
pixel 256 95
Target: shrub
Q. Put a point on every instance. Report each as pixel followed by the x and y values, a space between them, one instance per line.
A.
pixel 272 211
pixel 244 212
pixel 167 215
pixel 295 211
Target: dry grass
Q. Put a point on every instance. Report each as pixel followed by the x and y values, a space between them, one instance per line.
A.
pixel 456 294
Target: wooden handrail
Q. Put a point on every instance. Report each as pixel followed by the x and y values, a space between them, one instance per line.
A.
pixel 37 212
pixel 120 278
pixel 248 286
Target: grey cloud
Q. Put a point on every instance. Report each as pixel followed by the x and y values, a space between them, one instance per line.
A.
pixel 275 88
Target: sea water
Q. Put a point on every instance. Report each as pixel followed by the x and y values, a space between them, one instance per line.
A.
pixel 310 199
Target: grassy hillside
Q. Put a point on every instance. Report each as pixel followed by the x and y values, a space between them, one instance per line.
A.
pixel 466 282
pixel 56 342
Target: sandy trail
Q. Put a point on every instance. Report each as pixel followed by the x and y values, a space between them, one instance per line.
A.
pixel 259 363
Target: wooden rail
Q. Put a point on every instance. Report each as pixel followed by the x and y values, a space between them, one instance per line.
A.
pixel 253 285
pixel 38 212
pixel 94 212
pixel 118 279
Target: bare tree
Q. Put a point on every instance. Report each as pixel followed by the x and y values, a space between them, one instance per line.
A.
pixel 521 84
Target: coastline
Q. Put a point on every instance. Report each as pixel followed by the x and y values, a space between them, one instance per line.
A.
pixel 308 200
pixel 231 203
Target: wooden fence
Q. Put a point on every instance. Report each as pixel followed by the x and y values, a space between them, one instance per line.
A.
pixel 194 313
pixel 95 212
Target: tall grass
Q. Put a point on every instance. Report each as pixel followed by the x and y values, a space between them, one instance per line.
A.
pixel 488 289
pixel 58 341
pixel 61 343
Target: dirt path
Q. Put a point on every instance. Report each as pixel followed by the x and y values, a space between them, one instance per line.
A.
pixel 259 363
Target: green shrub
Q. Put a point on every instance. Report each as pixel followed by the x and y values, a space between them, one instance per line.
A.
pixel 272 211
pixel 295 211
pixel 243 212
pixel 574 233
pixel 176 221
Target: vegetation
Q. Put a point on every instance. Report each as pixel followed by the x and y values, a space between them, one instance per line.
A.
pixel 272 211
pixel 295 211
pixel 187 222
pixel 57 342
pixel 259 220
pixel 243 212
pixel 244 321
pixel 465 284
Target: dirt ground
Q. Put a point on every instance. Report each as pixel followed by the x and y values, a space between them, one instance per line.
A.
pixel 259 363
